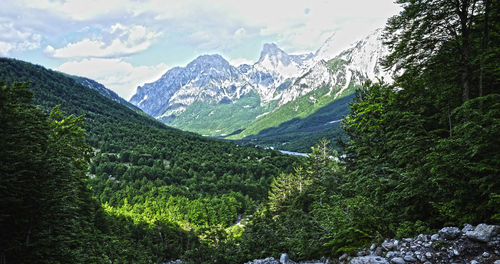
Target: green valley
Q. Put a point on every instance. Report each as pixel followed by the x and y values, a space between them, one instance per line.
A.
pixel 299 134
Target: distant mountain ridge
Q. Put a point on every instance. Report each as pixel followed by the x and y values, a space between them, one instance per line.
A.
pixel 104 91
pixel 199 97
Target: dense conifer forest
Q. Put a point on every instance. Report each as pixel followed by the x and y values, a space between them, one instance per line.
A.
pixel 87 180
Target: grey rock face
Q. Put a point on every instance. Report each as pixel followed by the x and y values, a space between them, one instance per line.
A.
pixel 450 245
pixel 483 232
pixel 284 258
pixel 277 77
pixel 422 238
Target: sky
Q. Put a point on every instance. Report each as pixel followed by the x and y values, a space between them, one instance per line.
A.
pixel 126 43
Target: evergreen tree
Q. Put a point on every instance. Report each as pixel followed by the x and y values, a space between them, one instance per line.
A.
pixel 46 201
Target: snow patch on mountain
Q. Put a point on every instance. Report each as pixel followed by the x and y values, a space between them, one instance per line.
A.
pixel 273 68
pixel 318 75
pixel 328 50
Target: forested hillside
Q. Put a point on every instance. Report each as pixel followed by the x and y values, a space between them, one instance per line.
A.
pixel 420 154
pixel 161 189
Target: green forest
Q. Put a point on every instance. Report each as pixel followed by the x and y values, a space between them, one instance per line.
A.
pixel 140 192
pixel 85 179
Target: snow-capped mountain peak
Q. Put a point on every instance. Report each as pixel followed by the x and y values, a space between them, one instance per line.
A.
pixel 271 56
pixel 277 63
pixel 275 79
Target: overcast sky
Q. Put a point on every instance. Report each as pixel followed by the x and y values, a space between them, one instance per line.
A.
pixel 125 43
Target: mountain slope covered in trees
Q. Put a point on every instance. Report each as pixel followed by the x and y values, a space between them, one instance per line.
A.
pixel 104 91
pixel 160 189
pixel 300 133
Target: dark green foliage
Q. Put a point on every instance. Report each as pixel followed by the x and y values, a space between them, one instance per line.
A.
pixel 45 201
pixel 48 214
pixel 104 91
pixel 291 221
pixel 466 165
pixel 24 140
pixel 423 148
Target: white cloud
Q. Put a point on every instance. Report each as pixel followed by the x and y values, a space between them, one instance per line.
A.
pixel 79 10
pixel 116 74
pixel 220 25
pixel 238 61
pixel 303 25
pixel 13 39
pixel 240 33
pixel 297 26
pixel 124 41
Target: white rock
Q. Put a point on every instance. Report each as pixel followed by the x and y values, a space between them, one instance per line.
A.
pixel 369 260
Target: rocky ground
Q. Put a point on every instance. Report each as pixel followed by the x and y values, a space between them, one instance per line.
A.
pixel 470 245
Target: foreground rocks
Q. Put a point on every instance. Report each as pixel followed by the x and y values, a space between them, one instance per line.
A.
pixel 470 245
pixel 284 259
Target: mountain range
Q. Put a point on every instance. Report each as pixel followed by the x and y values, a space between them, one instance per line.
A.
pixel 211 97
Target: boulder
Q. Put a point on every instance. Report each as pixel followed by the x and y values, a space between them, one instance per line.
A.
pixel 468 227
pixel 449 232
pixel 483 232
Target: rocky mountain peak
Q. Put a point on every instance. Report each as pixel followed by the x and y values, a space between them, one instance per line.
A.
pixel 273 55
pixel 204 61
